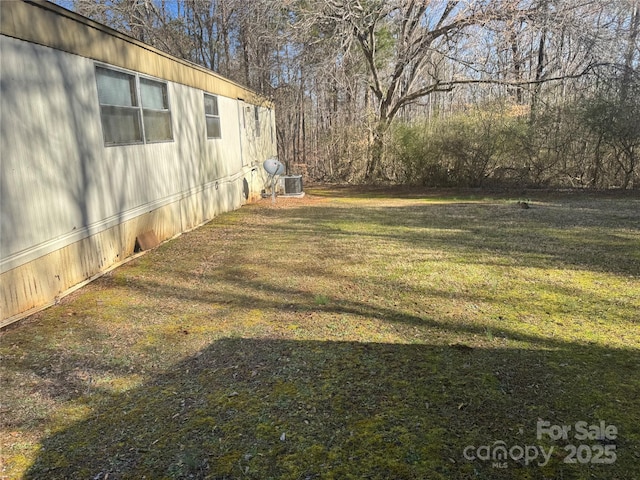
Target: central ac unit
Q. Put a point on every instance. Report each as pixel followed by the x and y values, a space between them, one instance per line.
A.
pixel 290 185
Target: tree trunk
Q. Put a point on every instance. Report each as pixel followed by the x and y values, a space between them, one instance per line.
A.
pixel 376 154
pixel 634 29
pixel 535 96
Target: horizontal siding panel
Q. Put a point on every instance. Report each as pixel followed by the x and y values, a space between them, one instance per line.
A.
pixel 46 278
pixel 72 207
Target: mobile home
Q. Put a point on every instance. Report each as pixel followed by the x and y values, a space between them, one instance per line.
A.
pixel 105 141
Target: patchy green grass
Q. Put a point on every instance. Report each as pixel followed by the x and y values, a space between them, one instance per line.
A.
pixel 350 334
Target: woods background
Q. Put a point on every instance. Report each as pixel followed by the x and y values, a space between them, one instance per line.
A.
pixel 525 93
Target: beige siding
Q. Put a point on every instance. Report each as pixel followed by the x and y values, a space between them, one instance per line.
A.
pixel 72 207
pixel 81 186
pixel 51 141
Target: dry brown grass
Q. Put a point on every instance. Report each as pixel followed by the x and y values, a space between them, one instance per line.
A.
pixel 349 334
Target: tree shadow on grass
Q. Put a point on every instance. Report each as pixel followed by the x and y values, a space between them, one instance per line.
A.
pixel 594 235
pixel 280 408
pixel 275 408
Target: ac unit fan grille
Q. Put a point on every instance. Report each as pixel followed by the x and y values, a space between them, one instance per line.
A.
pixel 293 184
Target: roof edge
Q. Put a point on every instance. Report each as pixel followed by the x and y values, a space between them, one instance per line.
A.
pixel 51 25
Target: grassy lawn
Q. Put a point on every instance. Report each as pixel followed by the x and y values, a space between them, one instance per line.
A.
pixel 350 334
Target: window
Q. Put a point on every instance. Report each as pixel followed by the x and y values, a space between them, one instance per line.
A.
pixel 118 107
pixel 212 116
pixel 256 115
pixel 126 119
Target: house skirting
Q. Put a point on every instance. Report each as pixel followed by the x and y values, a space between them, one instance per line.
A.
pixel 43 281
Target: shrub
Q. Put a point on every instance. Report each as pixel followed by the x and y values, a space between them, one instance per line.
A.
pixel 463 150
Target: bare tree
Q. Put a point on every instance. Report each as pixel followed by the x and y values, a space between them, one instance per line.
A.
pixel 413 49
pixel 406 45
pixel 342 71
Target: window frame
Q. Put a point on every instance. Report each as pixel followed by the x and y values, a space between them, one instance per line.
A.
pixel 166 110
pixel 212 116
pixel 137 106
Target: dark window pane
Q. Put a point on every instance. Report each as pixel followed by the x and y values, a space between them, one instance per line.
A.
pixel 256 114
pixel 121 125
pixel 116 88
pixel 210 105
pixel 157 126
pixel 213 127
pixel 154 94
